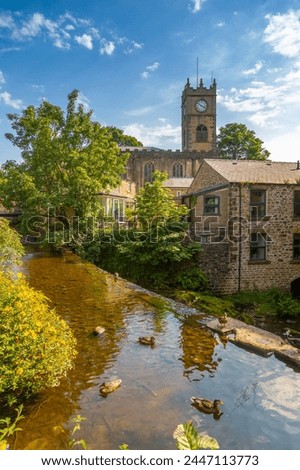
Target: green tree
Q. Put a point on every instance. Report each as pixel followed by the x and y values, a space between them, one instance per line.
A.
pixel 158 251
pixel 156 205
pixel 124 140
pixel 67 160
pixel 237 142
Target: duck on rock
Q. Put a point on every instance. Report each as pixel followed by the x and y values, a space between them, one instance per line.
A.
pixel 208 406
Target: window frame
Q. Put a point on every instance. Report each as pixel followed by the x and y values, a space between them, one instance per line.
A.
pixel 257 246
pixel 296 203
pixel 296 247
pixel 177 170
pixel 207 206
pixel 258 209
pixel 201 133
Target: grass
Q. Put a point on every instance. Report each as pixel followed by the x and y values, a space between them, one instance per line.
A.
pixel 244 305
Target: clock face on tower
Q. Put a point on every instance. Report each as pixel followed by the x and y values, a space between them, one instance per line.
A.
pixel 201 106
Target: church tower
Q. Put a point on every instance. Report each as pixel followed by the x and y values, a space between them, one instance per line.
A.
pixel 198 117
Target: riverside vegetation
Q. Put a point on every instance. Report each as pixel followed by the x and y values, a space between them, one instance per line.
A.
pixel 37 347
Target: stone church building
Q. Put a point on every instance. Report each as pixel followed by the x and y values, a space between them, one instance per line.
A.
pixel 198 123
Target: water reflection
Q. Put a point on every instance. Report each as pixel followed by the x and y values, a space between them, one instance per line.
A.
pixel 260 395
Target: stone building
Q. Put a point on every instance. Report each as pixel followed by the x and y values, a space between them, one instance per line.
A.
pixel 246 214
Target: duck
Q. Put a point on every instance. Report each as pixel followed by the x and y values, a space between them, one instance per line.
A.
pixel 223 319
pixel 208 406
pixel 116 276
pixel 108 387
pixel 148 340
pixel 99 330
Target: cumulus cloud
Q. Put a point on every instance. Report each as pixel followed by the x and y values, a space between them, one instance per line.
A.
pixel 9 101
pixel 150 68
pixel 85 40
pixel 196 5
pixel 283 33
pixel 107 47
pixel 62 31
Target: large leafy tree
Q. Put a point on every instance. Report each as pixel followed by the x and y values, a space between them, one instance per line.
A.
pixel 235 141
pixel 158 252
pixel 67 159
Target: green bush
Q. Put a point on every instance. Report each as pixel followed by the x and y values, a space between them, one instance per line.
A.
pixel 36 346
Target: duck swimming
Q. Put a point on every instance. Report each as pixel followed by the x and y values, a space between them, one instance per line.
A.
pixel 108 387
pixel 148 340
pixel 208 406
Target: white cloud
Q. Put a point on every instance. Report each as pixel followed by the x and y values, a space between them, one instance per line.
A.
pixel 9 101
pixel 284 146
pixel 139 111
pixel 85 40
pixel 257 67
pixel 283 33
pixel 108 47
pixel 165 136
pixel 2 79
pixel 150 68
pixel 196 5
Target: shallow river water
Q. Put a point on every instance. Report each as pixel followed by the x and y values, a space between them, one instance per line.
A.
pixel 261 395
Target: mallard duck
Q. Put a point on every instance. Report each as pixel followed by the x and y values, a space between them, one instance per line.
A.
pixel 99 330
pixel 108 387
pixel 208 406
pixel 223 319
pixel 148 340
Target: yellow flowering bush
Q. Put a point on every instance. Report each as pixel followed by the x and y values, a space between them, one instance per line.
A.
pixel 37 347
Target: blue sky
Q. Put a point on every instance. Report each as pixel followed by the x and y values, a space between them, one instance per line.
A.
pixel 130 60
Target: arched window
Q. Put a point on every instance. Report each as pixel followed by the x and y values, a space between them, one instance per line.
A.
pixel 148 172
pixel 201 133
pixel 177 170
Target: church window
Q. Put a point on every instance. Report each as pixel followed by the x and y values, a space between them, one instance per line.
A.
pixel 201 133
pixel 148 172
pixel 211 205
pixel 177 170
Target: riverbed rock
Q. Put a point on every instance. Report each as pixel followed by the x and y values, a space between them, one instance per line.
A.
pixel 251 337
pixel 99 330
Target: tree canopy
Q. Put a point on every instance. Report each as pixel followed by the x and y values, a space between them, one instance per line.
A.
pixel 235 141
pixel 67 159
pixel 155 203
pixel 123 140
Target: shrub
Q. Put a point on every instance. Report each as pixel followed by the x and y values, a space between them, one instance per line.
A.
pixel 36 345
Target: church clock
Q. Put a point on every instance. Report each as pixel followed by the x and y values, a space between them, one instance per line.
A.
pixel 198 122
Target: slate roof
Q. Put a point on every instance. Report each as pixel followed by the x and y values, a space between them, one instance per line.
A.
pixel 254 171
pixel 178 182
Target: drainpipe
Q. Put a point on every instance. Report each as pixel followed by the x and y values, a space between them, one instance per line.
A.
pixel 240 239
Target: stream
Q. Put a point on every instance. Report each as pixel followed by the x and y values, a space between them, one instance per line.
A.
pixel 261 395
